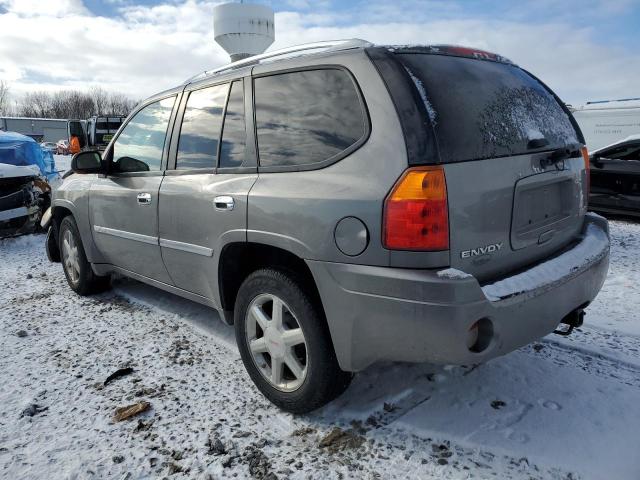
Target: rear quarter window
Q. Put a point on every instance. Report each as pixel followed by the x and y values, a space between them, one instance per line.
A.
pixel 307 117
pixel 482 109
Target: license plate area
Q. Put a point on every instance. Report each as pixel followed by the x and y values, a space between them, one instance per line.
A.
pixel 544 206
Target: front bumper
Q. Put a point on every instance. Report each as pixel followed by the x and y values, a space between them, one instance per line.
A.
pixel 380 313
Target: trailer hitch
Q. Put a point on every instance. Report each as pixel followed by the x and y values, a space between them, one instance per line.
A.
pixel 575 319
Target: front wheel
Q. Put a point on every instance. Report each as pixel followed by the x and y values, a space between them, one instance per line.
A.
pixel 77 268
pixel 285 344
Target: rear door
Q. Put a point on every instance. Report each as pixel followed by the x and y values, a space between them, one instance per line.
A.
pixel 497 128
pixel 203 201
pixel 123 205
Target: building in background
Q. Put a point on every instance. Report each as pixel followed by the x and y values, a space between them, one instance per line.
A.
pixel 40 129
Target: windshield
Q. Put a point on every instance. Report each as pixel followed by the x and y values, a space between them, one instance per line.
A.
pixel 481 109
pixel 627 152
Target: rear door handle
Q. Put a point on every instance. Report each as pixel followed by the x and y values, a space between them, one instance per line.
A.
pixel 224 202
pixel 144 199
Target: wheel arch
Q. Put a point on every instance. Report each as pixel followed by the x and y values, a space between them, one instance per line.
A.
pixel 239 259
pixel 57 214
pixel 62 207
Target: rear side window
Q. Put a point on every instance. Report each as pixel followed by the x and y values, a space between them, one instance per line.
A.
pixel 306 117
pixel 200 131
pixel 482 109
pixel 233 134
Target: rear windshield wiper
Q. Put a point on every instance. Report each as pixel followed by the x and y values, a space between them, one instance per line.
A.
pixel 561 154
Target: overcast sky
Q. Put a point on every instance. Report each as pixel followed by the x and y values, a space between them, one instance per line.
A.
pixel 584 49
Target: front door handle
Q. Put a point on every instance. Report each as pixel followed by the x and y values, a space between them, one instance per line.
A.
pixel 224 202
pixel 144 199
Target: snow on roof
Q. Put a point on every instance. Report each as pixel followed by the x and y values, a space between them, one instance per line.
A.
pixel 610 104
pixel 35 118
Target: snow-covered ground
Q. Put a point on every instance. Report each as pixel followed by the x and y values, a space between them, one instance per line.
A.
pixel 560 408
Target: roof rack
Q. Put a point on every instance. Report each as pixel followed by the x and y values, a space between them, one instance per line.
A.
pixel 305 48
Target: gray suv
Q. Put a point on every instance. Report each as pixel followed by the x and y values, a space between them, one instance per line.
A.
pixel 343 203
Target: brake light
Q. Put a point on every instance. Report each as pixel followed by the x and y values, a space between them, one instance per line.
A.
pixel 587 168
pixel 416 211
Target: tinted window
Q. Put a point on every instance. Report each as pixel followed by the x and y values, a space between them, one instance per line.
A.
pixel 198 143
pixel 233 133
pixel 482 109
pixel 139 146
pixel 306 117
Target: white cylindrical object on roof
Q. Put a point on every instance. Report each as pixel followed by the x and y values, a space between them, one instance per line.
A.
pixel 243 29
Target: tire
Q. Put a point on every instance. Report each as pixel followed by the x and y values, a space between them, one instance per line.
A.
pixel 319 378
pixel 78 272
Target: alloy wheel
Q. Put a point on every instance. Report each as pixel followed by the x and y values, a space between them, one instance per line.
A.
pixel 71 256
pixel 276 341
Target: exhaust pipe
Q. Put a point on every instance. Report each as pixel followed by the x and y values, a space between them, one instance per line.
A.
pixel 574 319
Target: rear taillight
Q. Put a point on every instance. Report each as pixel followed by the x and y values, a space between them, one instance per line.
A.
pixel 587 168
pixel 415 212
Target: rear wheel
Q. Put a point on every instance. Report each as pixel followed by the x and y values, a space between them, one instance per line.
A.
pixel 77 268
pixel 285 344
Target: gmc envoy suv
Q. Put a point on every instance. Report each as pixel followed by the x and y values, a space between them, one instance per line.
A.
pixel 344 203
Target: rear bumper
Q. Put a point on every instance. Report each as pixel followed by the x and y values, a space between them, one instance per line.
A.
pixel 379 313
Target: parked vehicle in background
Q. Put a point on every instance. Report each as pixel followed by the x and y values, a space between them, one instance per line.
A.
pixel 100 130
pixel 615 178
pixel 77 135
pixel 608 121
pixel 50 146
pixel 343 204
pixel 62 147
pixel 26 170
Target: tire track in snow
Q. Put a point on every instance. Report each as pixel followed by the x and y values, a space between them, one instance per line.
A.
pixel 592 362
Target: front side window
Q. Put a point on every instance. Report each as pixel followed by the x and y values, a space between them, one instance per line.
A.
pixel 233 133
pixel 306 117
pixel 198 143
pixel 139 146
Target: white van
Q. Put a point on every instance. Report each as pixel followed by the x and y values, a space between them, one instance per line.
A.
pixel 606 122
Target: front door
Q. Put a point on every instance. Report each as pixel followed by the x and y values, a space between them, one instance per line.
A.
pixel 123 206
pixel 203 202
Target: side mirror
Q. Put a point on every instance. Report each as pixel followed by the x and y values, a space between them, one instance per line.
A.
pixel 87 162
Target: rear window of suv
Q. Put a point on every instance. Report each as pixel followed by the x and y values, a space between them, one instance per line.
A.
pixel 482 109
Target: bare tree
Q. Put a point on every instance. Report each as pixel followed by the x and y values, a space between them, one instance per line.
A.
pixel 36 104
pixel 100 100
pixel 4 98
pixel 120 104
pixel 75 104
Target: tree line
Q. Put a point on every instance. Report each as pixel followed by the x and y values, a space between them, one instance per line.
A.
pixel 67 103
